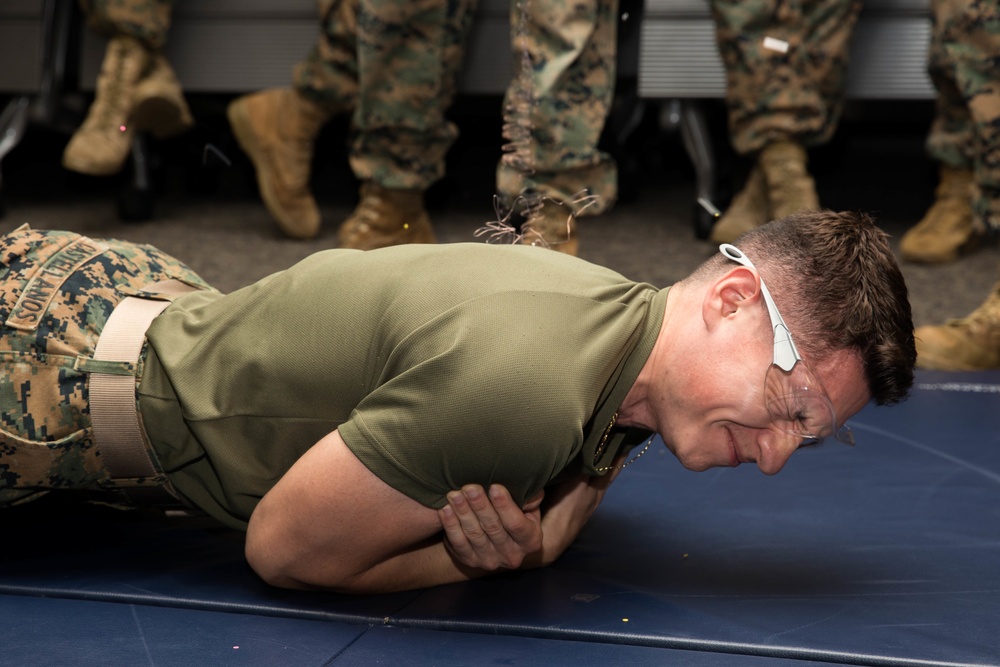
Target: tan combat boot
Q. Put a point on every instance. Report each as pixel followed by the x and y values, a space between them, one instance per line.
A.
pixel 551 226
pixel 277 130
pixel 749 209
pixel 386 217
pixel 971 343
pixel 790 188
pixel 159 105
pixel 101 145
pixel 949 227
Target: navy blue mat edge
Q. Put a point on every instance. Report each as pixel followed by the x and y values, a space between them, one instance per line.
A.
pixel 687 644
pixel 156 600
pixel 507 630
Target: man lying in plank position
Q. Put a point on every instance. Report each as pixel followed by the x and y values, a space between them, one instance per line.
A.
pixel 387 420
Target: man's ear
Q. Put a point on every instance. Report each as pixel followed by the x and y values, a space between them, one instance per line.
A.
pixel 738 288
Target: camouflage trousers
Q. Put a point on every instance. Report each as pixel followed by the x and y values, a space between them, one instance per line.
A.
pixel 556 106
pixel 146 20
pixel 393 65
pixel 963 63
pixel 786 68
pixel 57 290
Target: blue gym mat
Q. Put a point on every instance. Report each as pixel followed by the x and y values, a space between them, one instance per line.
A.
pixel 884 554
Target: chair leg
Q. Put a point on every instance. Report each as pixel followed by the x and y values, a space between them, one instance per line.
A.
pixel 687 117
pixel 13 123
pixel 57 26
pixel 698 143
pixel 135 203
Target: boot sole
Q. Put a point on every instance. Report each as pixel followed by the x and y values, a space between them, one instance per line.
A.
pixel 88 167
pixel 420 234
pixel 935 363
pixel 931 259
pixel 239 121
pixel 970 246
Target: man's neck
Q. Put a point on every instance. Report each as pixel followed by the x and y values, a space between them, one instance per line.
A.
pixel 637 409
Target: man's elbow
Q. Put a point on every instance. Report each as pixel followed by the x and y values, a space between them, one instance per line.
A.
pixel 269 559
pixel 270 569
pixel 282 561
pixel 291 572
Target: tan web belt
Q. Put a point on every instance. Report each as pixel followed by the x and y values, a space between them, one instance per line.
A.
pixel 118 429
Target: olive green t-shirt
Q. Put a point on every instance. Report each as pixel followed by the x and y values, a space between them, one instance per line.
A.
pixel 440 366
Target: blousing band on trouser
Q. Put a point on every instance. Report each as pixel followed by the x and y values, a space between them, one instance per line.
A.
pixel 118 429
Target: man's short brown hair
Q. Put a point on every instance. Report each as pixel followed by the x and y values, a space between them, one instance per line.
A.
pixel 836 282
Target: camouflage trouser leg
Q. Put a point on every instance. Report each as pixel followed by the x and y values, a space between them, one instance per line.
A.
pixel 774 96
pixel 146 20
pixel 329 74
pixel 562 99
pixel 57 290
pixel 394 63
pixel 963 64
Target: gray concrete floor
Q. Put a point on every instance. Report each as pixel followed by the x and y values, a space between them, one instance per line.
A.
pixel 208 214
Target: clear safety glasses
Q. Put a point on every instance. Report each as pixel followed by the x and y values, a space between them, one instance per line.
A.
pixel 795 398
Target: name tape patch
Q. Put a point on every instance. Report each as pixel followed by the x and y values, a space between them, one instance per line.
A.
pixel 42 287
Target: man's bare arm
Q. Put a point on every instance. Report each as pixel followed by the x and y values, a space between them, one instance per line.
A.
pixel 330 523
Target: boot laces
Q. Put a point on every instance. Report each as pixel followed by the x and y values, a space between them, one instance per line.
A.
pixel 380 209
pixel 947 215
pixel 791 180
pixel 369 209
pixel 114 104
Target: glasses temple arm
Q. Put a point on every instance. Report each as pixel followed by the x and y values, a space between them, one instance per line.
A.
pixel 785 353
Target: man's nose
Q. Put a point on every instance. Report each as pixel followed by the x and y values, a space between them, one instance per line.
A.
pixel 776 447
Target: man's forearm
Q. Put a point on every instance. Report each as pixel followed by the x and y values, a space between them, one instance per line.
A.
pixel 425 565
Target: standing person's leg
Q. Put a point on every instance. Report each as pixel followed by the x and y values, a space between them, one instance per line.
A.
pixel 277 128
pixel 136 88
pixel 968 49
pixel 147 21
pixel 965 135
pixel 555 111
pixel 409 56
pixel 786 71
